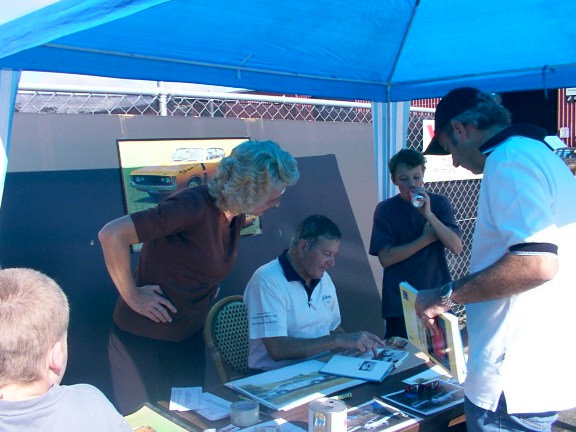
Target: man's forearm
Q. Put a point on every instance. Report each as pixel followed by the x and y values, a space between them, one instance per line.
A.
pixel 512 274
pixel 291 348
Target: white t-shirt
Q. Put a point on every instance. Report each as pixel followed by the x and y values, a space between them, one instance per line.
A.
pixel 278 307
pixel 523 345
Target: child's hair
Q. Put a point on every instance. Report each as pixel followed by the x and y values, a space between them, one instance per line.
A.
pixel 34 314
pixel 409 157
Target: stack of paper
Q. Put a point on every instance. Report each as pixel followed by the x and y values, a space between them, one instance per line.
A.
pixel 206 404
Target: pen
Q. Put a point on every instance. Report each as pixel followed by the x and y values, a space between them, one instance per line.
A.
pixel 342 396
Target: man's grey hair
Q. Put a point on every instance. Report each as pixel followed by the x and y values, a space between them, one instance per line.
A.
pixel 314 227
pixel 487 113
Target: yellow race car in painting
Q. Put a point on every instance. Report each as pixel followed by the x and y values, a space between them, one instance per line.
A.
pixel 187 167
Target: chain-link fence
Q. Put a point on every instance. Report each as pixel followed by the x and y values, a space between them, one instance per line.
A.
pixel 463 194
pixel 260 107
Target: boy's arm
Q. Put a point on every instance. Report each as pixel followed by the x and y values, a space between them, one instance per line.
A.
pixel 444 233
pixel 448 237
pixel 394 254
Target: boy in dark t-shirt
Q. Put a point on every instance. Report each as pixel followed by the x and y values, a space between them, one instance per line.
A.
pixel 410 242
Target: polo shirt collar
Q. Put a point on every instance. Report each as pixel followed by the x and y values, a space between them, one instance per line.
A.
pixel 525 130
pixel 291 274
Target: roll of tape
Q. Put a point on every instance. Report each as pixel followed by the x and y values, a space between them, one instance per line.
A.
pixel 327 415
pixel 244 413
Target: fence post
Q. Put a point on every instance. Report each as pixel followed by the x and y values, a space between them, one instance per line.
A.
pixel 162 99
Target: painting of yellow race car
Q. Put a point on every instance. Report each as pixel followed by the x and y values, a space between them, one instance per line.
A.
pixel 152 169
pixel 187 167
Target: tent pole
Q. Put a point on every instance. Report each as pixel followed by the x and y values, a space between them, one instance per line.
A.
pixel 8 90
pixel 390 126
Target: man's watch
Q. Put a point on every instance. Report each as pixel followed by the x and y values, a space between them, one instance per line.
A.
pixel 446 293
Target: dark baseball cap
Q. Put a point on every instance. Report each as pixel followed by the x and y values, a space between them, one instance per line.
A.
pixel 452 105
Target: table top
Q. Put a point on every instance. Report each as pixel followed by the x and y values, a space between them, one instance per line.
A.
pixel 450 419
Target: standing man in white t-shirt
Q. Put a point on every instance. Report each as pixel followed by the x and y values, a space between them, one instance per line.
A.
pixel 293 311
pixel 520 292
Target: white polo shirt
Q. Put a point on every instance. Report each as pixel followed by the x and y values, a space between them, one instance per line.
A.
pixel 524 345
pixel 279 307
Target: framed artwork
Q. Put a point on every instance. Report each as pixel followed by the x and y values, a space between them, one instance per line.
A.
pixel 152 169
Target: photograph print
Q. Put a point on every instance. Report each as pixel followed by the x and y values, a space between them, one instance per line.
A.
pixel 376 416
pixel 429 402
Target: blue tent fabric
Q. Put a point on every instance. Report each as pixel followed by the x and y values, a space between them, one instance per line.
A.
pixel 378 50
pixel 63 18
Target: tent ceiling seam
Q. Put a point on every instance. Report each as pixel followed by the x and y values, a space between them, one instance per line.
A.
pixel 401 48
pixel 538 69
pixel 236 68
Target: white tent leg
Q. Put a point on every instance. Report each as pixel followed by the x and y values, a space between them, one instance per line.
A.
pixel 390 121
pixel 8 90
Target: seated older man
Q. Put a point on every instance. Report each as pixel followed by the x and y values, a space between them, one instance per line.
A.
pixel 293 311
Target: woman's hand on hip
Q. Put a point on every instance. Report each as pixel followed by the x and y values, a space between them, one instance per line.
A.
pixel 150 302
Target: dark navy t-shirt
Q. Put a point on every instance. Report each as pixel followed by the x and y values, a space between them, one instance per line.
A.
pixel 397 222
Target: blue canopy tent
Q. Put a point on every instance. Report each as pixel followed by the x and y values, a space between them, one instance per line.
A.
pixel 379 50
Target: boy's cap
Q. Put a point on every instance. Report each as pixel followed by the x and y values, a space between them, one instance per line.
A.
pixel 452 105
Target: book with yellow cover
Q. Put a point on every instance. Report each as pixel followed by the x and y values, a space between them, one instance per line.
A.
pixel 445 347
pixel 150 418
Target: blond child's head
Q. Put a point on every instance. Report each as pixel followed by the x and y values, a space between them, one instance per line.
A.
pixel 34 314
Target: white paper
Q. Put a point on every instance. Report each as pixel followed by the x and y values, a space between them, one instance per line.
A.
pixel 185 398
pixel 206 404
pixel 214 407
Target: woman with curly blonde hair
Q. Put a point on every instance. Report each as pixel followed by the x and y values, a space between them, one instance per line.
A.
pixel 190 243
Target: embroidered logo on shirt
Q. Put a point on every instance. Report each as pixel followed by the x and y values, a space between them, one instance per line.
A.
pixel 264 318
pixel 327 299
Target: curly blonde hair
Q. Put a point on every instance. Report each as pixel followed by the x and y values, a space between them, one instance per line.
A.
pixel 244 178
